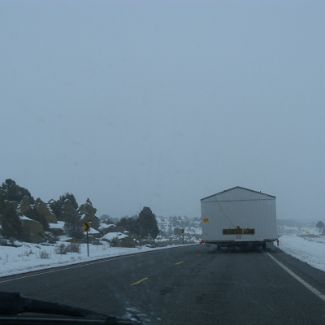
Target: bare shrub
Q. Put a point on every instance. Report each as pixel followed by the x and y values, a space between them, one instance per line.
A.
pixel 123 242
pixel 4 242
pixel 44 254
pixel 8 242
pixel 60 249
pixel 28 252
pixel 72 248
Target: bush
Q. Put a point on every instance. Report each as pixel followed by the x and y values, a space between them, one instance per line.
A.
pixel 7 242
pixel 123 242
pixel 95 241
pixel 50 237
pixel 44 254
pixel 72 248
pixel 148 242
pixel 60 249
pixel 28 252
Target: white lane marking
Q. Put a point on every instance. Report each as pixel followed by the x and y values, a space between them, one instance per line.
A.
pixel 299 279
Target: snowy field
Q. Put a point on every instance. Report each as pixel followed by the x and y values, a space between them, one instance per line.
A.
pixel 31 257
pixel 304 243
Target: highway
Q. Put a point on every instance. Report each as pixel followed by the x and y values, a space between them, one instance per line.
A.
pixel 187 285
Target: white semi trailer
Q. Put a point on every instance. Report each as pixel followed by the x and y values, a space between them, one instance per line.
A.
pixel 237 217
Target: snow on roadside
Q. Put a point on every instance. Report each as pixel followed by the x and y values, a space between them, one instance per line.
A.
pixel 31 257
pixel 57 225
pixel 309 250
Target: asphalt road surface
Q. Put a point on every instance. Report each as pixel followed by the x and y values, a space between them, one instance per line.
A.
pixel 187 285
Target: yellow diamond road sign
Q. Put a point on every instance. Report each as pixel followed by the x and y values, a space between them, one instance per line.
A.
pixel 86 226
pixel 206 221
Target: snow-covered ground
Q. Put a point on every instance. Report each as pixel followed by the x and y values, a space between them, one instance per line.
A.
pixel 112 235
pixel 31 257
pixel 57 225
pixel 309 250
pixel 304 243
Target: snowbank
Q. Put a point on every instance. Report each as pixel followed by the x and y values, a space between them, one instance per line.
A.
pixel 308 249
pixel 31 257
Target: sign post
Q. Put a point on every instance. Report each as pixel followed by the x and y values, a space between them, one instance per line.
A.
pixel 87 244
pixel 86 227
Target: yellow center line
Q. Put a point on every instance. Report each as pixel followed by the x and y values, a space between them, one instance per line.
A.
pixel 180 262
pixel 139 282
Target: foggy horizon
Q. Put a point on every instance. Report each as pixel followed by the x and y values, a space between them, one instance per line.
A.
pixel 160 104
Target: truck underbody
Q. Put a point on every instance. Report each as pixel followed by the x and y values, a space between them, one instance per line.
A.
pixel 240 243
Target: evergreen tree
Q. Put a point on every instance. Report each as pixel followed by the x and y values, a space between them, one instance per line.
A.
pixel 87 213
pixel 57 206
pixel 41 207
pixel 11 224
pixel 142 226
pixel 26 206
pixel 73 224
pixel 14 192
pixel 39 213
pixel 131 225
pixel 147 223
pixel 71 198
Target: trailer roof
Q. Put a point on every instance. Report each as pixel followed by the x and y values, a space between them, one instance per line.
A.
pixel 238 187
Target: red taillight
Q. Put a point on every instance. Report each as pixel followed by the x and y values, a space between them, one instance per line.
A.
pixel 201 242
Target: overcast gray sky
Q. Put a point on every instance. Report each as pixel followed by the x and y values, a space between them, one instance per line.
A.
pixel 161 103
